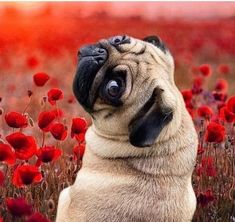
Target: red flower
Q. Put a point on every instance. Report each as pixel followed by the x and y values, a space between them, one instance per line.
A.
pixel 205 69
pixel 47 154
pixel 32 62
pixel 221 85
pixel 58 131
pixel 54 95
pixel 25 146
pixel 57 112
pixel 224 69
pixel 215 133
pixel 197 85
pixel 205 198
pixel 2 178
pixel 208 166
pixel 7 154
pixel 79 127
pixel 16 120
pixel 205 112
pixel 40 78
pixel 71 99
pixel 220 96
pixel 231 104
pixel 37 217
pixel 79 150
pixel 45 120
pixel 18 207
pixel 226 115
pixel 26 175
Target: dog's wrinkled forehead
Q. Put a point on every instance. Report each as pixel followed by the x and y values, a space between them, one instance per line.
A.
pixel 150 48
pixel 129 44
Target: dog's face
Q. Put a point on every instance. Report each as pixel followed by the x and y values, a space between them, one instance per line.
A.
pixel 127 86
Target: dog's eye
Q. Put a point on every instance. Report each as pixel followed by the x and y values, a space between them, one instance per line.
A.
pixel 113 87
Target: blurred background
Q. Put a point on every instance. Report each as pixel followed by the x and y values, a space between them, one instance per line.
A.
pixel 45 37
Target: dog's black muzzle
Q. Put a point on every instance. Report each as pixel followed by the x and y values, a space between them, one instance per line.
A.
pixel 94 52
pixel 91 59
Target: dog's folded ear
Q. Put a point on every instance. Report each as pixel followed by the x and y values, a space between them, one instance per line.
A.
pixel 146 126
pixel 156 41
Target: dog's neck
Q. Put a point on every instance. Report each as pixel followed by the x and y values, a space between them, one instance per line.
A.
pixel 171 153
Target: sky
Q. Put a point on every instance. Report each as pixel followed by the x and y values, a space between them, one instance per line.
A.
pixel 148 10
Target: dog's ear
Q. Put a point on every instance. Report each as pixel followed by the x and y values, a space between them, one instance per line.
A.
pixel 149 121
pixel 156 41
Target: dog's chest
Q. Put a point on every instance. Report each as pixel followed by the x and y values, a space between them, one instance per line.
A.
pixel 101 196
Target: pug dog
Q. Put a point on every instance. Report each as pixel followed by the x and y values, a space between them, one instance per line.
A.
pixel 141 147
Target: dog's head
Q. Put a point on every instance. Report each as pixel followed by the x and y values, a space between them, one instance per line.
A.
pixel 127 86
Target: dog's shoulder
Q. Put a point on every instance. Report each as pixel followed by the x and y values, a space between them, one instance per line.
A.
pixel 63 205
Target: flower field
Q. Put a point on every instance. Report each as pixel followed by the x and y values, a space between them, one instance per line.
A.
pixel 42 127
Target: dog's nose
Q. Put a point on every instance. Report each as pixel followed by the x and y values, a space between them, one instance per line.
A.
pixel 95 51
pixel 118 40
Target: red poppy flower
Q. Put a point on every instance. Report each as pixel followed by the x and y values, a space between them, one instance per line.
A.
pixel 2 178
pixel 215 133
pixel 197 85
pixel 205 70
pixel 40 78
pixel 1 220
pixel 57 112
pixel 18 207
pixel 47 154
pixel 226 115
pixel 25 146
pixel 231 104
pixel 224 69
pixel 205 112
pixel 54 95
pixel 7 154
pixel 45 120
pixel 78 128
pixel 26 175
pixel 205 198
pixel 32 62
pixel 71 99
pixel 79 150
pixel 16 120
pixel 219 96
pixel 58 131
pixel 221 85
pixel 37 217
pixel 209 166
